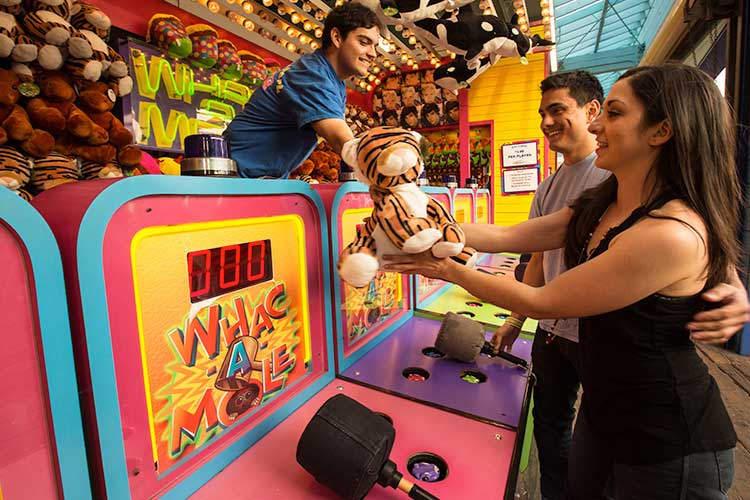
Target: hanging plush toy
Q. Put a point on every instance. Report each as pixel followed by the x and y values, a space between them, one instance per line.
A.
pixel 399 11
pixel 404 219
pixel 168 33
pixel 230 64
pixel 457 74
pixel 205 42
pixel 253 68
pixel 474 36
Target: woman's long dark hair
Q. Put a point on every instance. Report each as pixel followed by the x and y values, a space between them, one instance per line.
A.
pixel 697 165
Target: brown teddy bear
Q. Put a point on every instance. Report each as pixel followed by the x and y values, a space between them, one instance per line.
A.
pixel 97 99
pixel 54 111
pixel 14 121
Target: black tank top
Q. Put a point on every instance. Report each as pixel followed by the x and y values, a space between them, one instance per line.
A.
pixel 646 390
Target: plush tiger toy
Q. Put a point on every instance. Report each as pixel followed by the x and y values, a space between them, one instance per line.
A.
pixel 404 219
pixel 15 169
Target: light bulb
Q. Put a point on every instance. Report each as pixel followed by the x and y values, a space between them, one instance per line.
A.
pixel 318 33
pixel 249 24
pixel 248 7
pixel 308 25
pixel 377 81
pixel 267 3
pixel 213 6
pixel 369 88
pixel 412 40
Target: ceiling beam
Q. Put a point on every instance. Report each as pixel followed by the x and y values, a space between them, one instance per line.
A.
pixel 601 25
pixel 602 62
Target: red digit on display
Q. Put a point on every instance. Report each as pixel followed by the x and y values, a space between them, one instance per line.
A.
pixel 231 264
pixel 259 260
pixel 201 272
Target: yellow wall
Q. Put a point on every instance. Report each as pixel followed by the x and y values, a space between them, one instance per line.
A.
pixel 508 94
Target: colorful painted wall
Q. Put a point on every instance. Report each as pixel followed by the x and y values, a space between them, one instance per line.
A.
pixel 508 93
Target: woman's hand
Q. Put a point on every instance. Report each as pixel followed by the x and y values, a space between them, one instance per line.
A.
pixel 423 263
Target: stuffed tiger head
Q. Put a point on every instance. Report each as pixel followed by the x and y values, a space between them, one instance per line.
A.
pixel 385 156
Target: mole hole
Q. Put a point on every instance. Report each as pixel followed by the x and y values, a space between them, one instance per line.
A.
pixel 415 374
pixel 473 376
pixel 427 467
pixel 474 304
pixel 466 313
pixel 433 352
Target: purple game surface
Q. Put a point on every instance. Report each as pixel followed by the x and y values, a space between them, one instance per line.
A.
pixel 499 399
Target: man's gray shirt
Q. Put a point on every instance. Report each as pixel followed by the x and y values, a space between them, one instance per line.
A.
pixel 554 193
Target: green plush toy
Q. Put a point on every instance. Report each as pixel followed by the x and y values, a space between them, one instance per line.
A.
pixel 168 33
pixel 230 64
pixel 205 42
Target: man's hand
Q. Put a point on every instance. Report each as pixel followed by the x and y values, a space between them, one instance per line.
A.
pixel 504 337
pixel 717 326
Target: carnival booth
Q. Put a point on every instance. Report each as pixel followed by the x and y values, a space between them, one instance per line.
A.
pixel 179 329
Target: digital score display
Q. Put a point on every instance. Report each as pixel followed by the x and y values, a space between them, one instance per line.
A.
pixel 216 271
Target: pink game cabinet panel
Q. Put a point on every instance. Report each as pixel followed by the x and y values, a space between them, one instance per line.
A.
pixel 484 207
pixel 362 315
pixel 424 288
pixel 477 457
pixel 203 312
pixel 42 453
pixel 464 205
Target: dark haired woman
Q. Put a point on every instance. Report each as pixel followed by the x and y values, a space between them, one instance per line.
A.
pixel 644 244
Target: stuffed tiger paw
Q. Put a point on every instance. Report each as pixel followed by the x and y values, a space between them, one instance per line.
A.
pixel 404 219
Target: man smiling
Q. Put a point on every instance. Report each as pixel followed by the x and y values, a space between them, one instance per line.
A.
pixel 280 125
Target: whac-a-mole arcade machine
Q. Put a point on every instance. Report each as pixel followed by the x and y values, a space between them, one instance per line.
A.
pixel 203 310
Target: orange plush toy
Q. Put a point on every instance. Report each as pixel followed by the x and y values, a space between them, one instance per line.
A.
pixel 14 121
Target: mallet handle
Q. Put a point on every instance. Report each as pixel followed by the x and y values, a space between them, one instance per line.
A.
pixel 414 491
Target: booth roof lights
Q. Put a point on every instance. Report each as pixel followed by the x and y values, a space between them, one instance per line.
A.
pixel 297 27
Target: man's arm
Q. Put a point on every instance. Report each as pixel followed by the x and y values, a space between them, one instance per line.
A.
pixel 335 131
pixel 717 326
pixel 507 334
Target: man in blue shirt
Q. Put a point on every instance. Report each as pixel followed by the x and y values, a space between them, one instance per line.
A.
pixel 281 123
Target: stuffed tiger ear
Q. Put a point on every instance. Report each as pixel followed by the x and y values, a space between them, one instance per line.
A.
pixel 349 152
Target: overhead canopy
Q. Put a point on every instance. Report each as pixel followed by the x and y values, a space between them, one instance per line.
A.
pixel 606 37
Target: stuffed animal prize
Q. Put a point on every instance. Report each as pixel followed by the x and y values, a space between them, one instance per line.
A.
pixel 404 219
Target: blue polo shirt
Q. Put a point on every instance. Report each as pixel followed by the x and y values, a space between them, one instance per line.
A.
pixel 272 135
